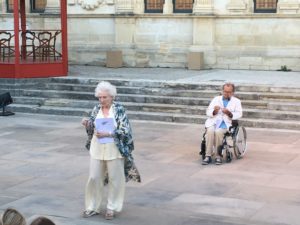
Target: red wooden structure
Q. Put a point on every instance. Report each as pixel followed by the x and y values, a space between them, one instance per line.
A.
pixel 33 53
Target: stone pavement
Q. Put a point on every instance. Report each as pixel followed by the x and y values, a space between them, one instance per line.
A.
pixel 44 168
pixel 181 75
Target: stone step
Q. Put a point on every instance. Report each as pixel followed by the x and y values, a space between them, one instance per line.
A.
pixel 57 88
pixel 154 100
pixel 174 85
pixel 182 118
pixel 147 83
pixel 155 107
pixel 255 109
pixel 155 116
pixel 273 124
pixel 70 111
pixel 262 104
pixel 284 106
pixel 28 100
pixel 201 110
pixel 24 81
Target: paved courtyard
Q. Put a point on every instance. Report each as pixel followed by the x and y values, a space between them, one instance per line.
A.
pixel 44 168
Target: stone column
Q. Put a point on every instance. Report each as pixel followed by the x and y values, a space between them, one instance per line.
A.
pixel 237 7
pixel 1 6
pixel 203 7
pixel 288 6
pixel 168 7
pixel 53 7
pixel 250 6
pixel 71 2
pixel 139 6
pixel 124 6
pixel 27 6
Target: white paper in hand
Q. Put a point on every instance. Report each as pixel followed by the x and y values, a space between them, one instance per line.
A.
pixel 105 125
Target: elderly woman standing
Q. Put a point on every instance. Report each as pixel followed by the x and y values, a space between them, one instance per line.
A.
pixel 110 162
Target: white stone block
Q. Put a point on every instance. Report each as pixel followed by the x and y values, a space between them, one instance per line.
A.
pixel 228 60
pixel 250 60
pixel 259 67
pixel 238 67
pixel 222 66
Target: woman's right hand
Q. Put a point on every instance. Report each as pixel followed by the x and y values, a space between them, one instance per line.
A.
pixel 85 122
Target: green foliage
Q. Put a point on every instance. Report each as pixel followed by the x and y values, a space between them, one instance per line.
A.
pixel 284 68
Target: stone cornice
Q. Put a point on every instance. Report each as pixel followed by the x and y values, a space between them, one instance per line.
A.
pixel 186 16
pixel 148 15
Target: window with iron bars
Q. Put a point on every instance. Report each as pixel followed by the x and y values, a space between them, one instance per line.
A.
pixel 179 6
pixel 9 6
pixel 183 6
pixel 35 5
pixel 38 6
pixel 154 6
pixel 265 6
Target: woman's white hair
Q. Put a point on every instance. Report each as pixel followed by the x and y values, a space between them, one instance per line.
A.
pixel 105 86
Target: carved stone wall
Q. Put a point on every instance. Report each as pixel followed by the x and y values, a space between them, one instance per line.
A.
pixel 91 6
pixel 124 6
pixel 229 42
pixel 237 7
pixel 288 7
pixel 229 34
pixel 168 7
pixel 203 7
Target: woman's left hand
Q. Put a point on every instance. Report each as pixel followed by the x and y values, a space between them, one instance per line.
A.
pixel 100 134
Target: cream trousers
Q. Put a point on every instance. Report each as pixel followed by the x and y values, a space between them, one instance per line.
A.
pixel 95 186
pixel 214 138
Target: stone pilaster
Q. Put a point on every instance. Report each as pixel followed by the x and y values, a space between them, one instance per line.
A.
pixel 71 2
pixel 237 7
pixel 288 7
pixel 203 7
pixel 53 7
pixel 139 6
pixel 124 6
pixel 168 7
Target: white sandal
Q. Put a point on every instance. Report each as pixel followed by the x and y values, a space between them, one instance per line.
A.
pixel 109 215
pixel 89 213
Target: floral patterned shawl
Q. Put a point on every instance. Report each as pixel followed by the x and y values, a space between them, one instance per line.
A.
pixel 122 137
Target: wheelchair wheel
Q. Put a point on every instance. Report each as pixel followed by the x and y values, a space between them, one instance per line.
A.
pixel 240 142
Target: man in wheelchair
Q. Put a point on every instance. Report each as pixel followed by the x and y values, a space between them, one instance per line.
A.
pixel 221 111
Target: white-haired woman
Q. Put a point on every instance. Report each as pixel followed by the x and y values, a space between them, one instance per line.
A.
pixel 110 148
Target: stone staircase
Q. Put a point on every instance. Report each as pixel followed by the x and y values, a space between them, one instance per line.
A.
pixel 264 106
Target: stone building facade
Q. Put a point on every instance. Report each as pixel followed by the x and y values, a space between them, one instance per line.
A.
pixel 232 34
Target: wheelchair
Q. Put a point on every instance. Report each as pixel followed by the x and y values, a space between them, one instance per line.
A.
pixel 236 145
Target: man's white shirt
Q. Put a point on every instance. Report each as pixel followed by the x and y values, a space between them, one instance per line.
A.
pixel 234 106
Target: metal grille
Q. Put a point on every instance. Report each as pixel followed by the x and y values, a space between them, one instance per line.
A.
pixel 155 4
pixel 266 4
pixel 184 4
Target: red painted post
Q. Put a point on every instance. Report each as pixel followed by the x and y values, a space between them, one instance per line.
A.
pixel 63 15
pixel 23 27
pixel 16 30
